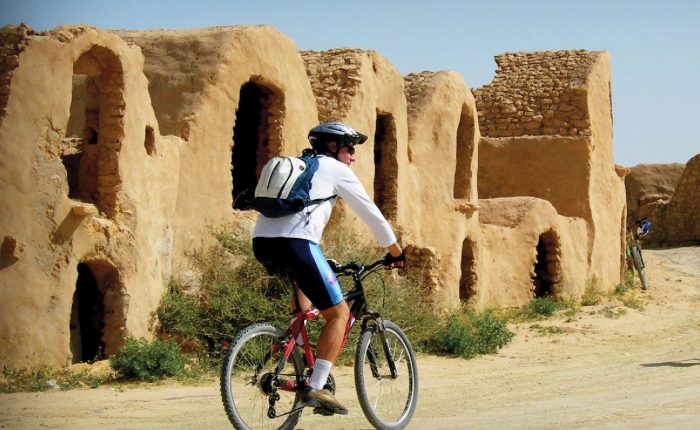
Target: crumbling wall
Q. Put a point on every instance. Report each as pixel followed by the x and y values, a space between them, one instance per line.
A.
pixel 537 94
pixel 547 119
pixel 649 187
pixel 682 222
pixel 14 39
pixel 364 90
pixel 114 227
pixel 544 254
pixel 212 68
pixel 670 201
pixel 442 150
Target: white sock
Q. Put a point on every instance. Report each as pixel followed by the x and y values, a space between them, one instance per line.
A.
pixel 322 368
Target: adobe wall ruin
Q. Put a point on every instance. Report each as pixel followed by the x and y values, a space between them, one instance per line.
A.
pixel 128 147
pixel 650 189
pixel 546 119
pixel 86 193
pixel 667 195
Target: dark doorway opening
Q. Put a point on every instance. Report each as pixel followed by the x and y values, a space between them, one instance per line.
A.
pixel 256 138
pixel 87 318
pixel 98 312
pixel 469 277
pixel 547 265
pixel 386 166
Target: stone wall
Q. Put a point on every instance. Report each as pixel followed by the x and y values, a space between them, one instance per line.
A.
pixel 547 124
pixel 14 39
pixel 334 76
pixel 537 94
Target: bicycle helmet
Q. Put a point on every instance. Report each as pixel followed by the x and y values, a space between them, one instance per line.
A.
pixel 644 226
pixel 334 131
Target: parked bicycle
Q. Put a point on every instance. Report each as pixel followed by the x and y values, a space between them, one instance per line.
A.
pixel 265 372
pixel 634 248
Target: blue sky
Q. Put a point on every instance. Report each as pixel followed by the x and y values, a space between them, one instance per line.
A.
pixel 654 45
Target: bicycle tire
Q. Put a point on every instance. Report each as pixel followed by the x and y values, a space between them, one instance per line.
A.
pixel 639 266
pixel 387 403
pixel 242 394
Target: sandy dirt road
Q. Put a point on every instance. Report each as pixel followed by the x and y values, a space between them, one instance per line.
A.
pixel 640 370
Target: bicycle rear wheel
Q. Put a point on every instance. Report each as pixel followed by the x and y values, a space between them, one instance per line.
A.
pixel 248 383
pixel 387 402
pixel 639 266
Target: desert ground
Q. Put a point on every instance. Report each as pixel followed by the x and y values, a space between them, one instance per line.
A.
pixel 609 367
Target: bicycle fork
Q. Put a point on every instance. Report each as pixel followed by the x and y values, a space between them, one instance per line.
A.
pixel 372 355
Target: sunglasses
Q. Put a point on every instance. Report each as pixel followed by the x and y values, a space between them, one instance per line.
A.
pixel 350 146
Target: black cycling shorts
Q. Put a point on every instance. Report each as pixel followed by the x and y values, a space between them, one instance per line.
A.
pixel 304 262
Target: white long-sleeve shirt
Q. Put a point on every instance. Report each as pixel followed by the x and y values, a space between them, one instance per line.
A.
pixel 331 178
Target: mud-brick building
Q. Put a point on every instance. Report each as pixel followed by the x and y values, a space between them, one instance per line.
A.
pixel 546 125
pixel 121 151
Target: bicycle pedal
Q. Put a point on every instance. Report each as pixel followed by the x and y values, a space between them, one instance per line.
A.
pixel 323 411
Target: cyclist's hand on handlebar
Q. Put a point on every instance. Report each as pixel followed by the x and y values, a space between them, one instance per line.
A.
pixel 391 262
pixel 335 266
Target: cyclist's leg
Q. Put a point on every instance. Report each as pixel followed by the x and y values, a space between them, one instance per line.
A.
pixel 302 300
pixel 330 341
pixel 318 283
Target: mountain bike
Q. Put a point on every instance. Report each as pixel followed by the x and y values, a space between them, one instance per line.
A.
pixel 265 372
pixel 634 251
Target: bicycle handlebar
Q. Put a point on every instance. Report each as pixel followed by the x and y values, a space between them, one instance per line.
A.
pixel 352 267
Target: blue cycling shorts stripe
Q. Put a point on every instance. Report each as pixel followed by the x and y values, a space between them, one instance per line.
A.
pixel 304 262
pixel 329 279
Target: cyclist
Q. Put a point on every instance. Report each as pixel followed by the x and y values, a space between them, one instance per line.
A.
pixel 643 227
pixel 289 246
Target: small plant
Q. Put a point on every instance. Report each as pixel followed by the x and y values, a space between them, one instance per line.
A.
pixel 592 296
pixel 148 361
pixel 613 312
pixel 468 334
pixel 42 377
pixel 543 307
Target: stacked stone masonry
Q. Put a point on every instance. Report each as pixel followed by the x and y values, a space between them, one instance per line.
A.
pixel 14 40
pixel 536 94
pixel 334 77
pixel 414 88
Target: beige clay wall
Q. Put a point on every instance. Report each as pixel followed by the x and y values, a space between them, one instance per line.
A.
pixel 440 178
pixel 511 229
pixel 160 173
pixel 650 190
pixel 356 86
pixel 123 237
pixel 547 118
pixel 210 67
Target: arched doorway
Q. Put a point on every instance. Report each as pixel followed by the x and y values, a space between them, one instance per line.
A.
pixel 256 137
pixel 547 267
pixel 465 150
pixel 385 166
pixel 468 277
pixel 95 129
pixel 98 312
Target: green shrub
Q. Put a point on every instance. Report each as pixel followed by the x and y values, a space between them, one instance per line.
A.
pixel 148 361
pixel 231 298
pixel 467 334
pixel 543 307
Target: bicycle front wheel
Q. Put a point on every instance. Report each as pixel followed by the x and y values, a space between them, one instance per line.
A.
pixel 388 402
pixel 639 265
pixel 249 383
